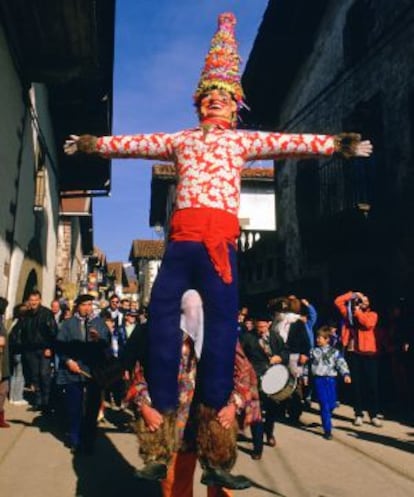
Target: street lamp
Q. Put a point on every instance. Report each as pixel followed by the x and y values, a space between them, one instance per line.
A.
pixel 364 208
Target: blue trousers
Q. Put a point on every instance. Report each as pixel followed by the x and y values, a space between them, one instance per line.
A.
pixel 187 265
pixel 41 375
pixel 82 405
pixel 325 387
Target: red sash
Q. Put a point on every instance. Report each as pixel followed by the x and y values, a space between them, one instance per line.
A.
pixel 215 228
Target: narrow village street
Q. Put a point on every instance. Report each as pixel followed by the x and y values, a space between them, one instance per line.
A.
pixel 364 461
pixel 201 200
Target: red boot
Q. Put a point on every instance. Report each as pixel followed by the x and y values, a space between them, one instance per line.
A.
pixel 3 423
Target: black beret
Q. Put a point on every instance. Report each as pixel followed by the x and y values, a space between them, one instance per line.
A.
pixel 86 297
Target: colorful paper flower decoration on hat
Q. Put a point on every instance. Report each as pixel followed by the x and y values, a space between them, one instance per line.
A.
pixel 221 66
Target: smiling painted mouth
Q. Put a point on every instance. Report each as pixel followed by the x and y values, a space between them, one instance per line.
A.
pixel 215 106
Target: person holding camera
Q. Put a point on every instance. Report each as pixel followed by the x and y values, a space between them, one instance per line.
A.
pixel 361 352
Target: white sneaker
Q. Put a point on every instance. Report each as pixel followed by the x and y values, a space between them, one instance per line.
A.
pixel 358 421
pixel 19 402
pixel 376 422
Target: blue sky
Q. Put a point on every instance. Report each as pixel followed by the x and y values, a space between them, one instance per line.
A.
pixel 160 46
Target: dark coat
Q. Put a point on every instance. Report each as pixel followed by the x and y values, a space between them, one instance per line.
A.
pixel 257 356
pixel 39 329
pixel 70 344
pixel 298 340
pixel 135 349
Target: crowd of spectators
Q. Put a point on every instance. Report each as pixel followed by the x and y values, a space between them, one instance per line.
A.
pixel 31 347
pixel 50 355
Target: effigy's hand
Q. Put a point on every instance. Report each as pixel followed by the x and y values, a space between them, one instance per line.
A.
pixel 363 149
pixel 227 415
pixel 70 146
pixel 152 418
pixel 350 145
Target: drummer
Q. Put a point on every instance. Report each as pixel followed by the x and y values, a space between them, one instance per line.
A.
pixel 264 349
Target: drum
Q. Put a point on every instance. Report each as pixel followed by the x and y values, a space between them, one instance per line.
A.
pixel 278 383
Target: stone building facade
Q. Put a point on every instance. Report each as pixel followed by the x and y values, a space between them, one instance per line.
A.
pixel 343 66
pixel 145 256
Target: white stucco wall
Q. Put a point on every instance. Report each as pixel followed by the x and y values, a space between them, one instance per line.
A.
pixel 16 174
pixel 51 202
pixel 27 240
pixel 257 211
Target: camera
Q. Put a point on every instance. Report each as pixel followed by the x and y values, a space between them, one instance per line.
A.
pixel 355 302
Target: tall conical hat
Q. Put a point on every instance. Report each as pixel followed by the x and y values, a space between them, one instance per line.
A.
pixel 221 66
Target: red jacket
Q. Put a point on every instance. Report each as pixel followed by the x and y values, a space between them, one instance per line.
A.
pixel 363 329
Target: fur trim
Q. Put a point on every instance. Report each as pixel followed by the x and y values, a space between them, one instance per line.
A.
pixel 157 446
pixel 87 144
pixel 216 446
pixel 345 144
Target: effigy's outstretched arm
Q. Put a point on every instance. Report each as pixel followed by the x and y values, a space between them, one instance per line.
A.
pixel 269 145
pixel 155 146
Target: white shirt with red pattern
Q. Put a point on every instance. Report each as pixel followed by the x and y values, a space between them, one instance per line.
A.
pixel 209 164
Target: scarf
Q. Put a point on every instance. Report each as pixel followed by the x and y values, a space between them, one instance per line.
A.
pixel 283 326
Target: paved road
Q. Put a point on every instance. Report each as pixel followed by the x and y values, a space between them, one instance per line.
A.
pixel 363 461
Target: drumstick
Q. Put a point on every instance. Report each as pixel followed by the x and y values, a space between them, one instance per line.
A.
pixel 85 374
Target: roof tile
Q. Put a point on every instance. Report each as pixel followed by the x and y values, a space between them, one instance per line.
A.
pixel 148 249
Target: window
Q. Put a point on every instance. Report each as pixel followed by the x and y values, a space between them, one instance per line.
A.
pixel 367 180
pixel 358 27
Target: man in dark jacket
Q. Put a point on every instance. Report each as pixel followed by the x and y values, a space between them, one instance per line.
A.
pixel 264 348
pixel 39 331
pixel 83 345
